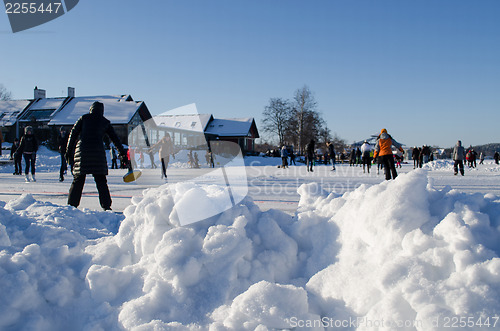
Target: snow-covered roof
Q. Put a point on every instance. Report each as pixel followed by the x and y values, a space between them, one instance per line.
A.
pixel 10 110
pixel 197 122
pixel 230 127
pixel 47 104
pixel 116 109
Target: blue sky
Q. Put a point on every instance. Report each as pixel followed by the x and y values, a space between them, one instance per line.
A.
pixel 427 70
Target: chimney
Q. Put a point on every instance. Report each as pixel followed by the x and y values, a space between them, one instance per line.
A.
pixel 71 92
pixel 39 93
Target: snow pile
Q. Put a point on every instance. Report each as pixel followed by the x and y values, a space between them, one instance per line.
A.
pixel 440 165
pixel 383 256
pixel 447 165
pixel 411 256
pixel 43 264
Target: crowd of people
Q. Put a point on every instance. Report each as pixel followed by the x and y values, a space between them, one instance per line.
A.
pixel 83 150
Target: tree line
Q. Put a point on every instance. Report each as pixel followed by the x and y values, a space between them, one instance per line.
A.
pixel 296 121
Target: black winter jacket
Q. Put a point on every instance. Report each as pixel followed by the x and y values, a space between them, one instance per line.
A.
pixel 85 148
pixel 28 144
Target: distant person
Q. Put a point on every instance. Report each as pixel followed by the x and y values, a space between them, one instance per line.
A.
pixel 366 158
pixel 352 158
pixel 18 168
pixel 310 147
pixel 1 141
pixel 166 148
pixel 383 149
pixel 496 157
pixel 62 142
pixel 458 156
pixel 415 155
pixel 152 159
pixel 113 156
pixel 331 153
pixel 28 148
pixel 481 158
pixel 292 156
pixel 359 154
pixel 284 157
pixel 86 154
pixel 209 157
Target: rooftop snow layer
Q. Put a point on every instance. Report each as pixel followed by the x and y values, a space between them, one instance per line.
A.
pixel 10 109
pixel 116 109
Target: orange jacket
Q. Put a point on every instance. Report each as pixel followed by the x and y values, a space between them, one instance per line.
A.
pixel 384 144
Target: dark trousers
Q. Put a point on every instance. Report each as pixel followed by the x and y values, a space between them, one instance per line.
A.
pixel 367 161
pixel 64 165
pixel 164 165
pixel 459 164
pixel 389 167
pixel 18 165
pixel 284 162
pixel 76 189
pixel 29 159
pixel 114 164
pixel 309 162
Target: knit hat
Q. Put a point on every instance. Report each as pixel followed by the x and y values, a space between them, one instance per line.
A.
pixel 383 131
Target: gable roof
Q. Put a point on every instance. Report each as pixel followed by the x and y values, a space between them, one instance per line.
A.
pixel 42 109
pixel 117 109
pixel 197 122
pixel 10 110
pixel 232 127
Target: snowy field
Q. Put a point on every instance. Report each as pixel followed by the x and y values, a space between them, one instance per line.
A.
pixel 341 250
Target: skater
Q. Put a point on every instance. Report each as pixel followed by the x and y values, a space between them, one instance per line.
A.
pixel 310 155
pixel 458 156
pixel 415 155
pixel 28 148
pixel 365 156
pixel 166 148
pixel 496 156
pixel 1 141
pixel 292 157
pixel 352 158
pixel 284 157
pixel 141 158
pixel 114 157
pixel 62 142
pixel 191 160
pixel 152 159
pixel 359 154
pixel 196 161
pixel 383 148
pixel 86 154
pixel 210 158
pixel 331 153
pixel 481 158
pixel 16 157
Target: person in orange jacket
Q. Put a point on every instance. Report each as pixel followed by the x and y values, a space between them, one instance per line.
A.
pixel 383 150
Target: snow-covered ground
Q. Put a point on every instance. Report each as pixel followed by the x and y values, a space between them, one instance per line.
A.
pixel 323 250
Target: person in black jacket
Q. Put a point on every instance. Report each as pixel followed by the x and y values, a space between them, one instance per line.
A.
pixel 310 147
pixel 85 152
pixel 28 148
pixel 16 157
pixel 62 141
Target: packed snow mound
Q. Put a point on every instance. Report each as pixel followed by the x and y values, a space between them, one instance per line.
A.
pixel 411 256
pixel 393 256
pixel 447 165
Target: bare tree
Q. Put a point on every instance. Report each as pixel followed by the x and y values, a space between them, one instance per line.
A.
pixel 4 94
pixel 276 116
pixel 339 143
pixel 304 108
